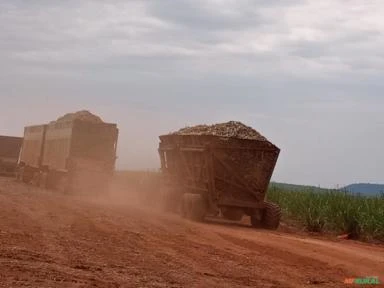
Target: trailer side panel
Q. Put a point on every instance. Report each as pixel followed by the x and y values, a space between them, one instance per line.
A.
pixel 10 147
pixel 95 141
pixel 230 172
pixel 32 145
pixel 9 154
pixel 57 145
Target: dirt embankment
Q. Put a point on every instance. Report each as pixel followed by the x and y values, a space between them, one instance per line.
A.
pixel 51 240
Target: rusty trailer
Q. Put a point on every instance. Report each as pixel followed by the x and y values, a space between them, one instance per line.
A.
pixel 213 175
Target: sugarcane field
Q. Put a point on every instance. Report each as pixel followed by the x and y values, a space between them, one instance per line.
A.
pixel 191 143
pixel 70 219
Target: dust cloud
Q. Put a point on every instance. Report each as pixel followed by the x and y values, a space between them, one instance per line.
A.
pixel 133 190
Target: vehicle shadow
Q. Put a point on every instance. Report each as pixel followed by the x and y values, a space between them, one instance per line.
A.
pixel 223 222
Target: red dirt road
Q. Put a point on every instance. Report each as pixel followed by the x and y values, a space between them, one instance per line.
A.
pixel 52 240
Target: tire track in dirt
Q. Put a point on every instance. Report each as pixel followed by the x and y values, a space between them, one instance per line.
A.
pixel 357 259
pixel 51 240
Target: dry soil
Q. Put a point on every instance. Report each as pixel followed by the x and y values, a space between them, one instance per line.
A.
pixel 53 240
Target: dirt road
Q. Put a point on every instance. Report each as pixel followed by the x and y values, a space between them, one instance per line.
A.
pixel 51 240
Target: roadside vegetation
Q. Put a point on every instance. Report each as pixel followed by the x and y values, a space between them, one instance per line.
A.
pixel 315 209
pixel 333 211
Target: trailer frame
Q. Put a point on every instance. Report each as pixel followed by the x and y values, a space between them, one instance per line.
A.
pixel 198 168
pixel 56 156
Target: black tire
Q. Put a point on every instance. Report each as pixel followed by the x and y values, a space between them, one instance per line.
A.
pixel 62 185
pixel 27 175
pixel 36 179
pixel 185 206
pixel 271 216
pixel 256 221
pixel 233 214
pixel 194 207
pixel 20 175
pixel 43 180
pixel 171 200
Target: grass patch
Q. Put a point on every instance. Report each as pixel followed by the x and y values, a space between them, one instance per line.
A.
pixel 361 217
pixel 317 210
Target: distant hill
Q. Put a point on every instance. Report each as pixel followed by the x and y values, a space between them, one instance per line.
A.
pixel 365 189
pixel 295 187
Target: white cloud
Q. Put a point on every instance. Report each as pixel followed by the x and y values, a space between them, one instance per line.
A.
pixel 292 68
pixel 305 38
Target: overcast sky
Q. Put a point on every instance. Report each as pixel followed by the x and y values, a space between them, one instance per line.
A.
pixel 308 75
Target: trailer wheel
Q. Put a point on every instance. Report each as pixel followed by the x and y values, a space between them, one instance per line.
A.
pixel 20 174
pixel 170 200
pixel 27 174
pixel 256 218
pixel 233 214
pixel 62 185
pixel 194 207
pixel 35 178
pixel 271 216
pixel 43 180
pixel 185 206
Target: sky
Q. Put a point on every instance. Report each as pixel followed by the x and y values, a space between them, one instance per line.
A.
pixel 308 75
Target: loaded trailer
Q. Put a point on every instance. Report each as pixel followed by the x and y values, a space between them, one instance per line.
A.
pixel 70 155
pixel 219 175
pixel 9 154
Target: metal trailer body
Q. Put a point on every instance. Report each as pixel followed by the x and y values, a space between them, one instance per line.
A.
pixel 9 154
pixel 218 175
pixel 31 152
pixel 72 156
